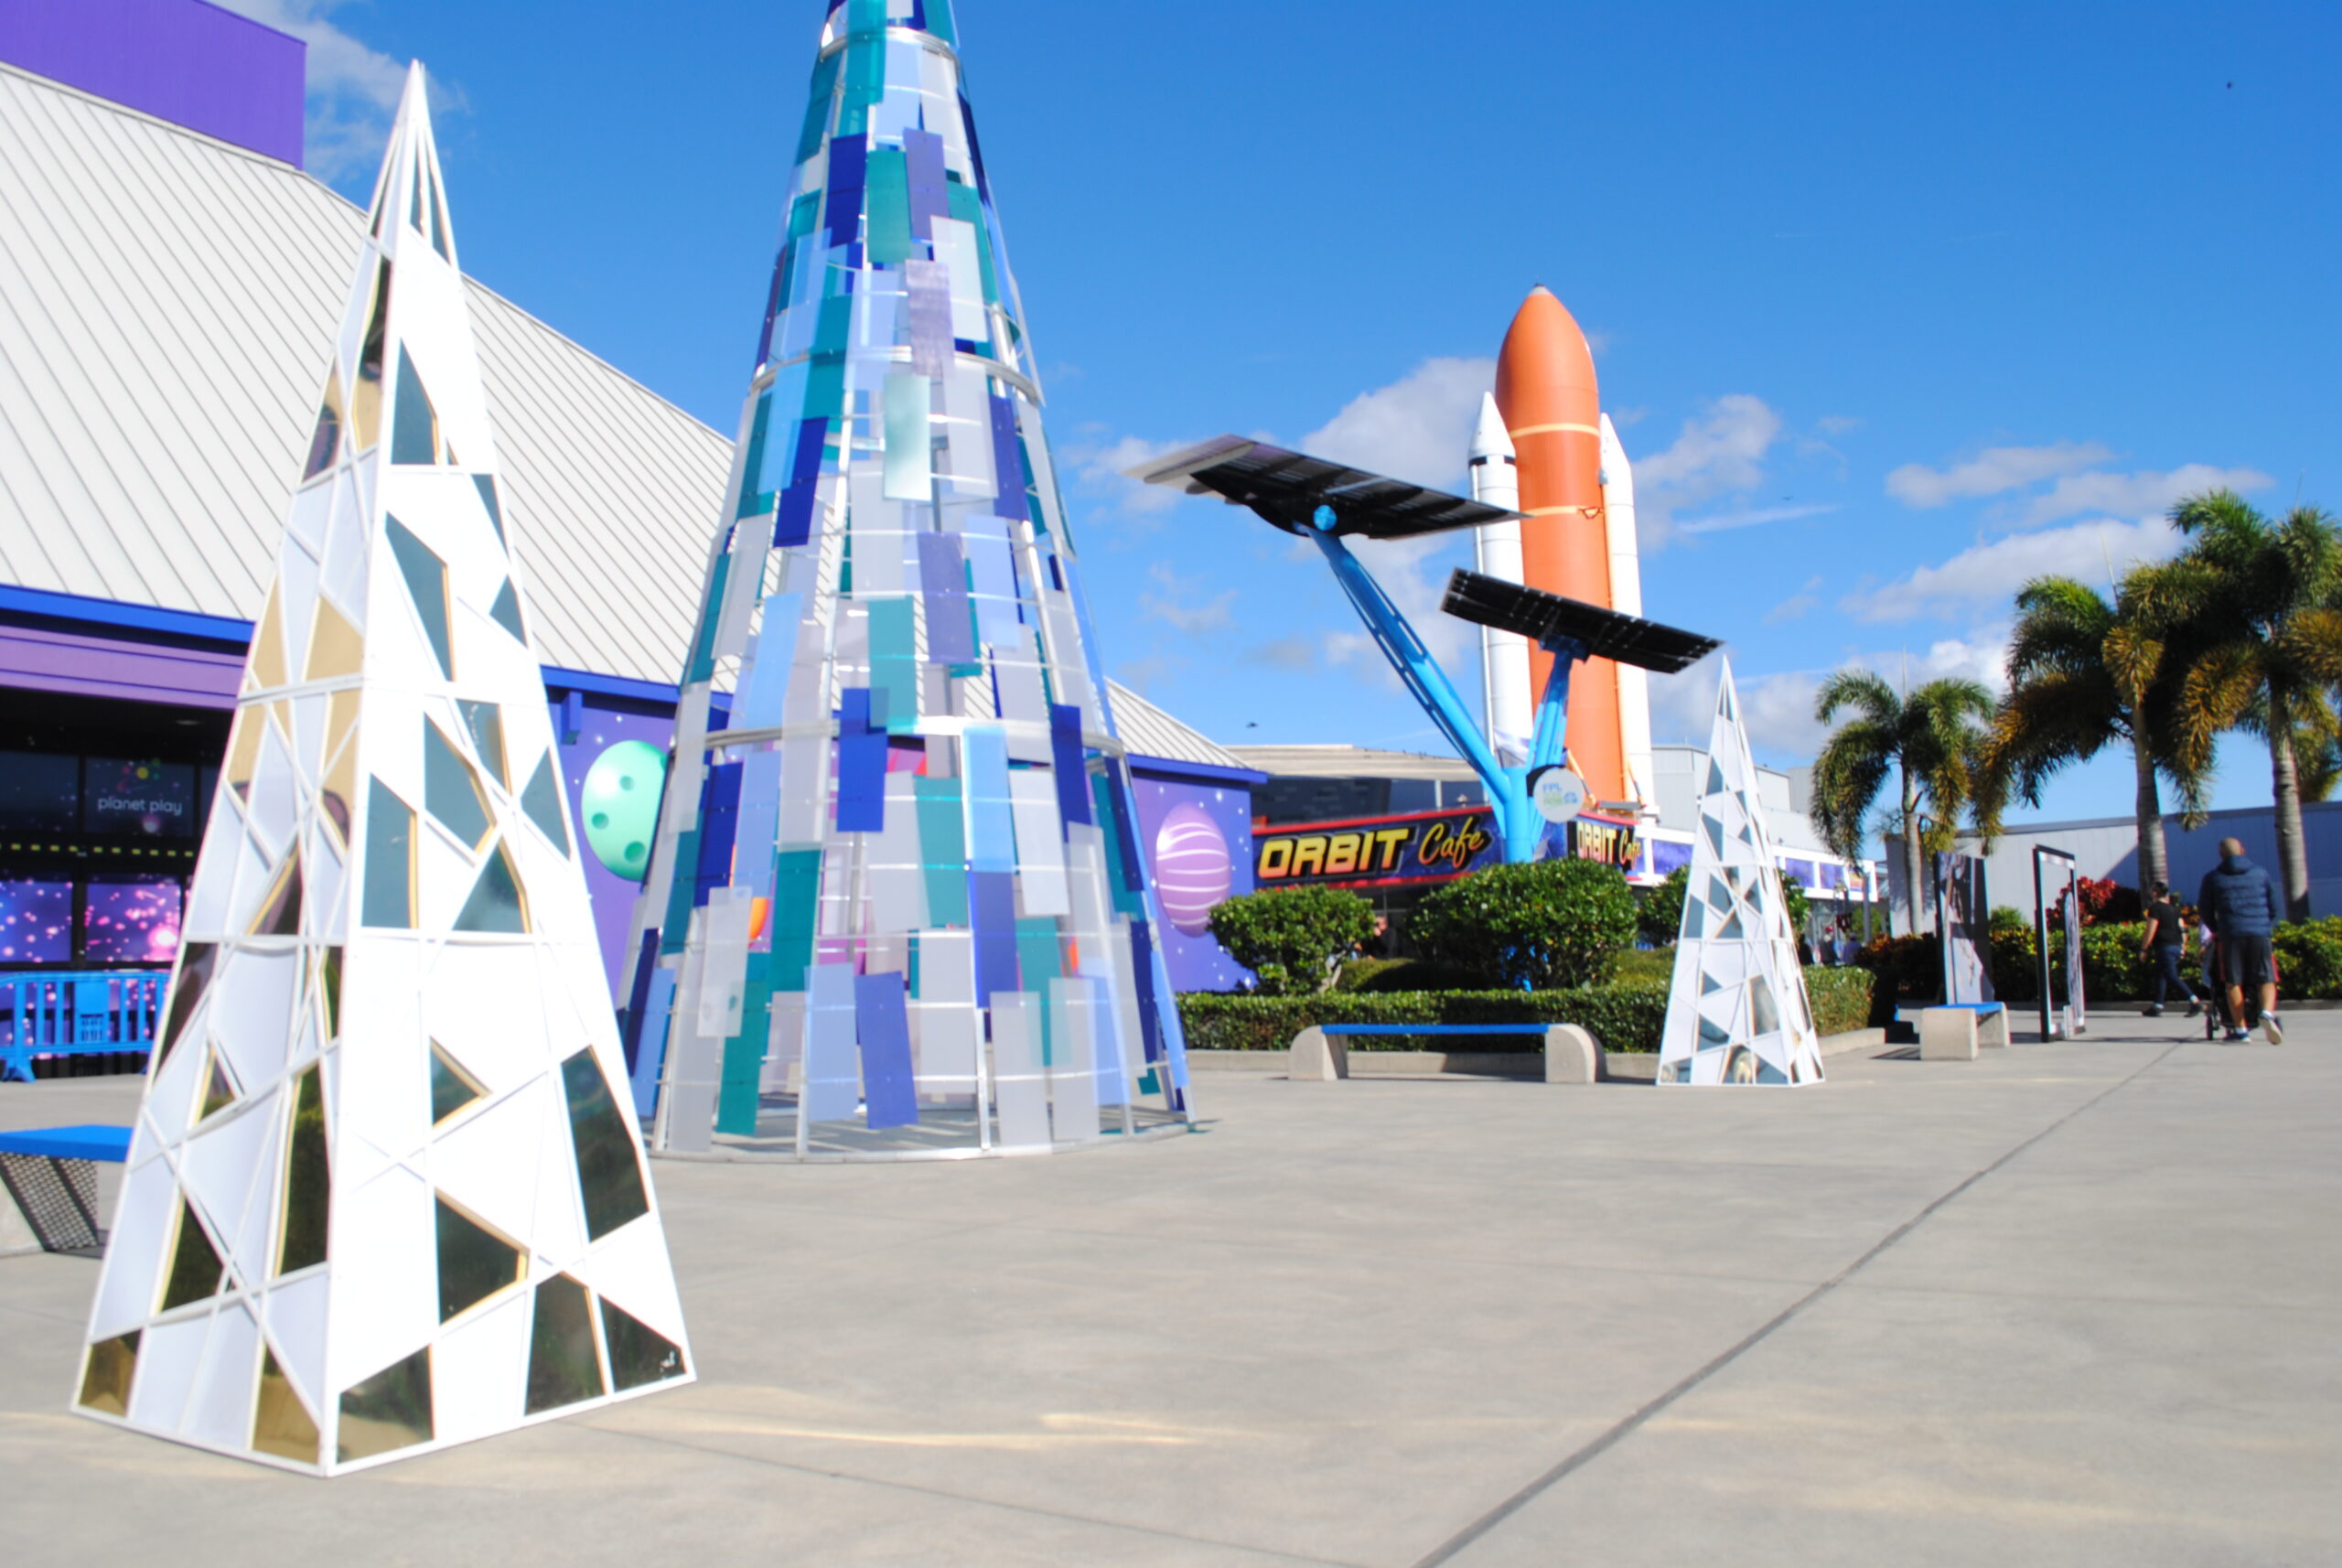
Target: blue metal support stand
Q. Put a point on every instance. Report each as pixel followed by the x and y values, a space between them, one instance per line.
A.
pixel 1507 788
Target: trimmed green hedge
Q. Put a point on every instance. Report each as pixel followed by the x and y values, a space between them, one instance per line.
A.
pixel 1840 998
pixel 1625 1017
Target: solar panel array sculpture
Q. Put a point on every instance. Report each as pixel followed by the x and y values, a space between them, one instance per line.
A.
pixel 896 905
pixel 1737 1013
pixel 381 1196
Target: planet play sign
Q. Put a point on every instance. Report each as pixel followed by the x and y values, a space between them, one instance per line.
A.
pixel 1438 847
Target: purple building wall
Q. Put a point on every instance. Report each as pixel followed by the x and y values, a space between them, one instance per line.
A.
pixel 1198 962
pixel 613 896
pixel 181 60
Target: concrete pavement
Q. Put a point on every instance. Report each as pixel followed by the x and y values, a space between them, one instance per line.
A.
pixel 2068 1303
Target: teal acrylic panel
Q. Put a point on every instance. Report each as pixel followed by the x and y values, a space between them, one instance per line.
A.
pixel 894 662
pixel 943 849
pixel 817 113
pixel 910 449
pixel 754 499
pixel 1040 957
pixel 711 616
pixel 741 1078
pixel 888 235
pixel 675 934
pixel 796 911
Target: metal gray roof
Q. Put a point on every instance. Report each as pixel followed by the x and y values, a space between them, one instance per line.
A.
pixel 1352 762
pixel 1148 731
pixel 167 306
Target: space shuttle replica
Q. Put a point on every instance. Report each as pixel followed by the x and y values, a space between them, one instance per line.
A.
pixel 897 905
pixel 1543 447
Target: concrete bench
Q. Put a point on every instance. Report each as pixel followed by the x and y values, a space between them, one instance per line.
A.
pixel 1318 1055
pixel 1951 1033
pixel 49 1178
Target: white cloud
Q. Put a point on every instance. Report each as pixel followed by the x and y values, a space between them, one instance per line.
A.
pixel 1103 472
pixel 1719 453
pixel 2134 495
pixel 1797 606
pixel 354 89
pixel 1171 606
pixel 1419 428
pixel 1991 573
pixel 1746 518
pixel 1991 473
pixel 1778 708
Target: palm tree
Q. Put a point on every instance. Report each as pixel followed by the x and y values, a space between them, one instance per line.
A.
pixel 2085 674
pixel 2273 614
pixel 1929 741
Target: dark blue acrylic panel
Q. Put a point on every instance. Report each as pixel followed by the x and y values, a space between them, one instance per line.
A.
pixel 1143 970
pixel 992 912
pixel 880 1019
pixel 719 825
pixel 1008 462
pixel 1066 754
pixel 944 579
pixel 849 169
pixel 862 766
pixel 930 191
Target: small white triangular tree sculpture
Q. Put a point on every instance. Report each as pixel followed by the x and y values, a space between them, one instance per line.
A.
pixel 382 1198
pixel 1737 1012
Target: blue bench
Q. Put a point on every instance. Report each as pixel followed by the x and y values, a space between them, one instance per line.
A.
pixel 1951 1031
pixel 1535 1029
pixel 50 1176
pixel 77 1016
pixel 1572 1055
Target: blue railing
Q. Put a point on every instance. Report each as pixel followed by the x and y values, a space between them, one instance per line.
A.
pixel 93 1012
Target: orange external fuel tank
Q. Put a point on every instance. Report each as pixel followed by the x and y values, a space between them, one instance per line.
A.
pixel 1552 409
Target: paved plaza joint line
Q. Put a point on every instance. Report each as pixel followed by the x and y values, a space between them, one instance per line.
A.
pixel 2068 1303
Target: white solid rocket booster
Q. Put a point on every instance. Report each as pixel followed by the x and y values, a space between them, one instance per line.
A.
pixel 1626 599
pixel 1504 655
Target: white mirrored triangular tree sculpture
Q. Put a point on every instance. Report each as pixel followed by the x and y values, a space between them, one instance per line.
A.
pixel 897 906
pixel 382 1198
pixel 1737 1012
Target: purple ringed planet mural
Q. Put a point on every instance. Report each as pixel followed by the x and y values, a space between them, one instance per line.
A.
pixel 1193 868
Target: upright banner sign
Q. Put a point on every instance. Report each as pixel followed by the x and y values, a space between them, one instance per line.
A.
pixel 1420 850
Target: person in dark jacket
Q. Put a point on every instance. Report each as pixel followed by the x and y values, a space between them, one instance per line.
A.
pixel 2240 903
pixel 2166 938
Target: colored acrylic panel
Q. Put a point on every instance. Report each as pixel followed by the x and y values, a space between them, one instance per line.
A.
pixel 884 1028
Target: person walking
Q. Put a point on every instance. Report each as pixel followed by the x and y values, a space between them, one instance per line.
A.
pixel 2165 940
pixel 2240 903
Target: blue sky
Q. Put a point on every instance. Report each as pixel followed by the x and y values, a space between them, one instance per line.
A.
pixel 1894 306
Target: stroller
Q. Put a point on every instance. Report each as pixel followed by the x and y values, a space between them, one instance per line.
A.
pixel 2215 1008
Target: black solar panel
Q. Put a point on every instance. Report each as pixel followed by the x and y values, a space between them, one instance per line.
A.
pixel 1287 489
pixel 1539 617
